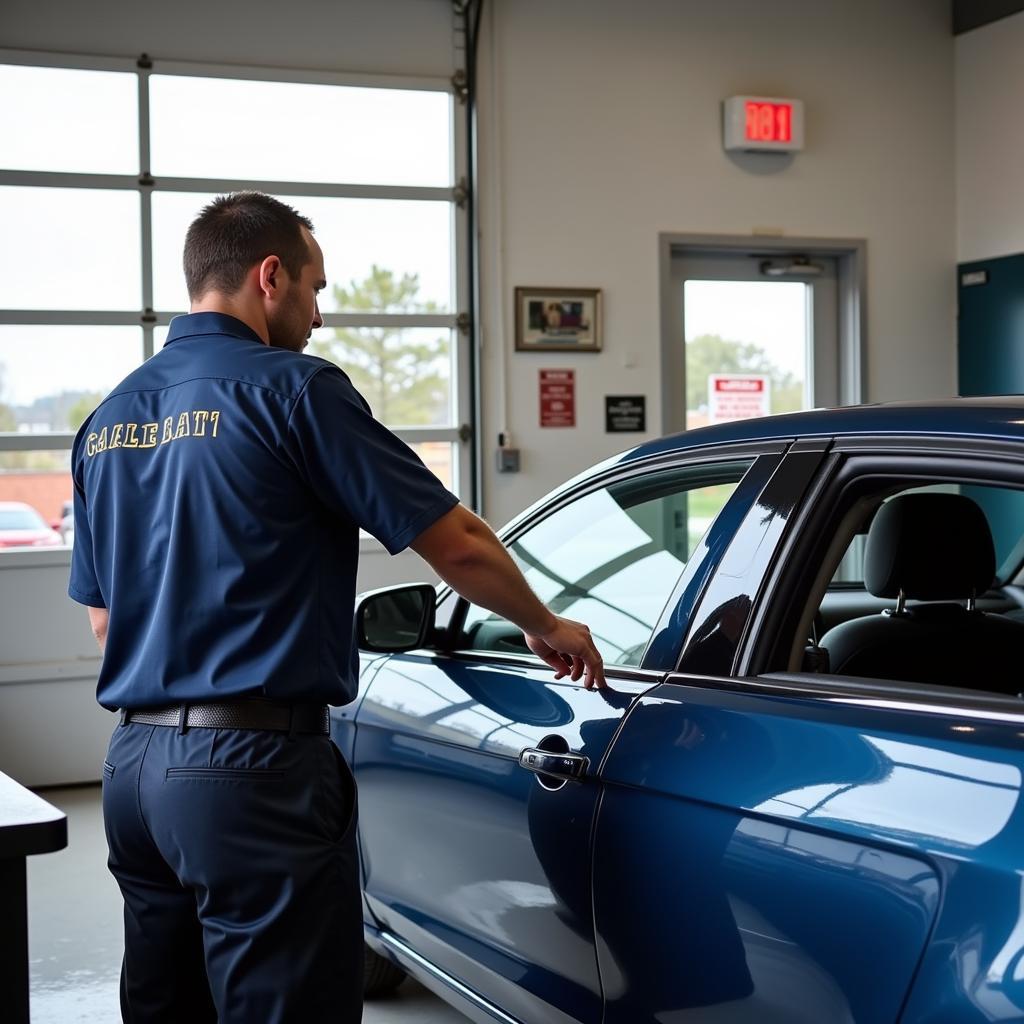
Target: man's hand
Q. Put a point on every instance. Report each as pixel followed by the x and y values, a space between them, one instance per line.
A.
pixel 570 651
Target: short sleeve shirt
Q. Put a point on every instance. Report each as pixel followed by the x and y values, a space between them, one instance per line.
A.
pixel 219 494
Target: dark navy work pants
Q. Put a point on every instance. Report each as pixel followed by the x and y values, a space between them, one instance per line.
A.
pixel 235 851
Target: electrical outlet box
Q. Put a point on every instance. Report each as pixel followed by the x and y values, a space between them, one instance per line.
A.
pixel 508 460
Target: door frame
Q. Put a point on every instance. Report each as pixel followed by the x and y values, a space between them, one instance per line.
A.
pixel 850 255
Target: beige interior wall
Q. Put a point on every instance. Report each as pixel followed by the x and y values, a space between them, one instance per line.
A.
pixel 600 128
pixel 990 140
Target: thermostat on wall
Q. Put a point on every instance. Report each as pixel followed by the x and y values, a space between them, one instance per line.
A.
pixel 764 124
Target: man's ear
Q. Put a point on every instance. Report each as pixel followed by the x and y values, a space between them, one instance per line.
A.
pixel 270 276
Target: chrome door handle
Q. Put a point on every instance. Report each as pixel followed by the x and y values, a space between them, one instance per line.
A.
pixel 561 766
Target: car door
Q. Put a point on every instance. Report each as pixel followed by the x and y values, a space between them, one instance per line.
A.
pixel 818 842
pixel 474 862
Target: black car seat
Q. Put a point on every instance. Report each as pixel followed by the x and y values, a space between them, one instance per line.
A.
pixel 933 548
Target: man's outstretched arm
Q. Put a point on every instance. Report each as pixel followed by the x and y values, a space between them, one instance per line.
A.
pixel 464 551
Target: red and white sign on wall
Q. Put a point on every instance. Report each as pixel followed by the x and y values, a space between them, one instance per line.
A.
pixel 738 396
pixel 558 398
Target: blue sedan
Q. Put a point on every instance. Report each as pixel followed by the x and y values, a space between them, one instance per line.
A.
pixel 799 800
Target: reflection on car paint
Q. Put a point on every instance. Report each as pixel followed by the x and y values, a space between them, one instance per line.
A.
pixel 680 775
pixel 913 797
pixel 499 862
pixel 736 904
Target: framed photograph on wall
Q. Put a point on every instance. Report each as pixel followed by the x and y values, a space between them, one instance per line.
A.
pixel 558 319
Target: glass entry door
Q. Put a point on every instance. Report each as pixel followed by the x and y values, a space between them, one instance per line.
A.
pixel 755 335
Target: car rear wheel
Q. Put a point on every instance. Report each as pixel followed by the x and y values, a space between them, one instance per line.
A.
pixel 380 975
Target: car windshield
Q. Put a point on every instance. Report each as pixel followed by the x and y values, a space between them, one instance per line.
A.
pixel 20 519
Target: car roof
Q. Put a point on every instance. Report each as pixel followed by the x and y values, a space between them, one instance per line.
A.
pixel 999 418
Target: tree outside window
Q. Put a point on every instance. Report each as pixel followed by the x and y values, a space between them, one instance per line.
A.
pixel 405 376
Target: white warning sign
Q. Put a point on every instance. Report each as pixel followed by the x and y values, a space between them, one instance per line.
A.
pixel 738 396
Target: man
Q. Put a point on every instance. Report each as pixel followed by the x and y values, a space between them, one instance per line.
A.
pixel 219 492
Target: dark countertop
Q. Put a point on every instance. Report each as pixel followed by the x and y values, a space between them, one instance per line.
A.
pixel 28 824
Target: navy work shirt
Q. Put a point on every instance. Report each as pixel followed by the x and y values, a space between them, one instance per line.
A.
pixel 219 492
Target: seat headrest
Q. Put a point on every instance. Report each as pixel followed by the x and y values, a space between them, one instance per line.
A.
pixel 933 547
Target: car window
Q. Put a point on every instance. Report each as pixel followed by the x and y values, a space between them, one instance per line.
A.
pixel 930 606
pixel 1002 507
pixel 611 558
pixel 20 518
pixel 849 573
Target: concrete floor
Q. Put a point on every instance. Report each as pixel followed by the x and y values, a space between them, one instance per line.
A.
pixel 75 940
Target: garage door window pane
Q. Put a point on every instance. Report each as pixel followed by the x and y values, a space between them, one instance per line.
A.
pixel 172 214
pixel 60 119
pixel 380 255
pixel 334 133
pixel 610 559
pixel 35 500
pixel 51 378
pixel 75 249
pixel 439 458
pixel 405 374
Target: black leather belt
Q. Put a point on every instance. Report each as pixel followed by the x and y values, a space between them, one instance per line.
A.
pixel 248 713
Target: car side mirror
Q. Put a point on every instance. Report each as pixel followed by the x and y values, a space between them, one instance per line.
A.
pixel 395 619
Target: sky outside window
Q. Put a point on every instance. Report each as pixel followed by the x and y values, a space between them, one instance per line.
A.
pixel 291 131
pixel 74 249
pixel 769 314
pixel 64 119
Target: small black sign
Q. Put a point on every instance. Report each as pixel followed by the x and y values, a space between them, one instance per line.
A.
pixel 625 414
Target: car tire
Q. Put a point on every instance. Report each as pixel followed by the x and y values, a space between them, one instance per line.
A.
pixel 380 975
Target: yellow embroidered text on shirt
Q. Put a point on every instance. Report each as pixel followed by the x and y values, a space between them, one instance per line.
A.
pixel 194 423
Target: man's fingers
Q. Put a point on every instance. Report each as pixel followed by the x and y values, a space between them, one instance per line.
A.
pixel 561 663
pixel 555 660
pixel 595 672
pixel 570 651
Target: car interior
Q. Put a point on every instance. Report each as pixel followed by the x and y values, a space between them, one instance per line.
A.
pixel 912 589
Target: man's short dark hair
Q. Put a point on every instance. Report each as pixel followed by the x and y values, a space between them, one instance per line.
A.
pixel 236 231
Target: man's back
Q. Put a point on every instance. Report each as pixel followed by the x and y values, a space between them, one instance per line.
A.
pixel 226 559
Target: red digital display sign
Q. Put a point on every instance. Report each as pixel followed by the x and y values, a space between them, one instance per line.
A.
pixel 769 122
